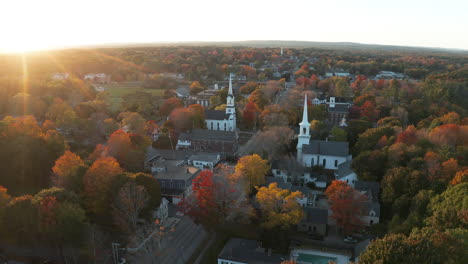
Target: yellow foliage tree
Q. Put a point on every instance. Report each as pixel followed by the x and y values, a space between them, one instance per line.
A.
pixel 66 168
pixel 252 170
pixel 279 207
pixel 460 177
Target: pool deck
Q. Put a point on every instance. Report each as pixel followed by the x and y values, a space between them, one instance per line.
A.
pixel 341 259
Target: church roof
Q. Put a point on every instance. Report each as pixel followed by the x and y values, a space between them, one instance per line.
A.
pixel 216 115
pixel 329 148
pixel 205 134
pixel 339 108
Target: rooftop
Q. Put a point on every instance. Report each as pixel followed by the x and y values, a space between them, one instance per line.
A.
pixel 177 173
pixel 205 134
pixel 316 215
pixel 330 148
pixel 208 157
pixel 248 251
pixel 369 188
pixel 216 115
pixel 344 169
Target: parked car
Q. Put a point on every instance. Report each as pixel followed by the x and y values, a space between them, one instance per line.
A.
pixel 350 239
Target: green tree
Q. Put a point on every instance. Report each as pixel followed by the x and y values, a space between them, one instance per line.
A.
pixel 338 134
pixel 449 208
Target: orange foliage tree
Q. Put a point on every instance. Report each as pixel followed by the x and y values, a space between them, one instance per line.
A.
pixel 66 171
pixel 97 184
pixel 347 206
pixel 460 177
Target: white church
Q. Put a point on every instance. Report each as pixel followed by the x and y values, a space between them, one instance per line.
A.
pixel 331 155
pixel 223 120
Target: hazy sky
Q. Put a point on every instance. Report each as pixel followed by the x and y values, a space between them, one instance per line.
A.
pixel 39 24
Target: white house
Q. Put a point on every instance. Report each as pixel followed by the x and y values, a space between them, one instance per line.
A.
pixel 97 77
pixel 204 160
pixel 345 173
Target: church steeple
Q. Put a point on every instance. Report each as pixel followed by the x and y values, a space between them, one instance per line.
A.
pixel 304 135
pixel 230 107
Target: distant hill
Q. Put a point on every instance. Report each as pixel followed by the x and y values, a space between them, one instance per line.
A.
pixel 287 44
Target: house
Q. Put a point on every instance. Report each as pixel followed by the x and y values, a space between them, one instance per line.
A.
pixel 345 173
pixel 97 77
pixel 203 140
pixel 183 92
pixel 205 160
pixel 152 157
pixel 176 182
pixel 243 251
pixel 315 221
pixel 389 75
pixel 203 98
pixel 337 112
pixel 60 76
pixel 371 189
pixel 291 171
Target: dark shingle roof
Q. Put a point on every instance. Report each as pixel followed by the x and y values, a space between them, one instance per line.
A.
pixel 205 134
pixel 330 148
pixel 216 115
pixel 339 108
pixel 184 136
pixel 370 188
pixel 247 251
pixel 316 215
pixel 344 169
pixel 279 181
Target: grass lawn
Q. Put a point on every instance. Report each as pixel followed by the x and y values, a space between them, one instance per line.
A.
pixel 118 90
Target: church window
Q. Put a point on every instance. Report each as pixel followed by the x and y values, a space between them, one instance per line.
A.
pixel 225 127
pixel 324 162
pixel 312 162
pixel 211 125
pixel 217 126
pixel 304 130
pixel 336 163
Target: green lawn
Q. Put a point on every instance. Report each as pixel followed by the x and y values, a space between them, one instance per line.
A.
pixel 118 90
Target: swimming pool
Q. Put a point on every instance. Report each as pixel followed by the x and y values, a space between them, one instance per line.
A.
pixel 314 259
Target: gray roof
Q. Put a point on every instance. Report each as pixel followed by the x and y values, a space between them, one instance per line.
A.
pixel 316 215
pixel 216 115
pixel 370 188
pixel 170 154
pixel 279 181
pixel 177 173
pixel 247 251
pixel 344 169
pixel 208 157
pixel 151 153
pixel 184 136
pixel 183 91
pixel 304 190
pixel 339 108
pixel 205 134
pixel 329 148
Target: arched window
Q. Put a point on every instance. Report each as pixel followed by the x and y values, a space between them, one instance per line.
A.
pixel 225 127
pixel 217 126
pixel 336 163
pixel 324 162
pixel 304 130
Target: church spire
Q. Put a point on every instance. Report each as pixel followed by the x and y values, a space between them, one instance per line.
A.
pixel 230 84
pixel 305 119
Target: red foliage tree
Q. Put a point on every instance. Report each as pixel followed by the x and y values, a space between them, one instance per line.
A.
pixel 369 110
pixel 347 205
pixel 449 134
pixel 408 136
pixel 250 114
pixel 169 105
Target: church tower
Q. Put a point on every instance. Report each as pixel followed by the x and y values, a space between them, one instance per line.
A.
pixel 230 107
pixel 304 136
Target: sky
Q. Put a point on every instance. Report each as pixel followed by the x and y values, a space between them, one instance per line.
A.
pixel 44 24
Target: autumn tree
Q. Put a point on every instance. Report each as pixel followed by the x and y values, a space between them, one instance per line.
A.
pixel 132 122
pixel 215 200
pixel 251 170
pixel 127 206
pixel 169 105
pixel 260 143
pixel 460 177
pixel 347 206
pixel 97 184
pixel 421 246
pixel 196 87
pixel 68 171
pixel 338 134
pixel 449 209
pixel 279 207
pixel 249 115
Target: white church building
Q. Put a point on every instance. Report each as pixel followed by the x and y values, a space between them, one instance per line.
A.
pixel 331 155
pixel 223 120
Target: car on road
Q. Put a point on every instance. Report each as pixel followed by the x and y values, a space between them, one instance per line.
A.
pixel 350 239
